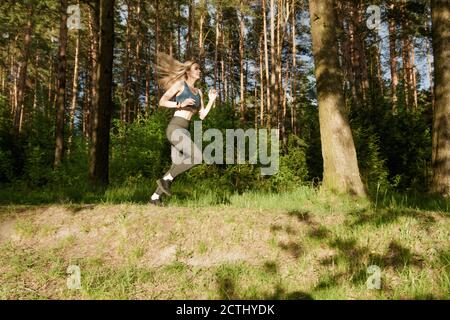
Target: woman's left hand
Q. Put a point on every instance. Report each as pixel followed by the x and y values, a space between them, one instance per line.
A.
pixel 212 95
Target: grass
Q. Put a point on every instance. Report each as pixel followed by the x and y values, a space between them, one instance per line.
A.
pixel 300 244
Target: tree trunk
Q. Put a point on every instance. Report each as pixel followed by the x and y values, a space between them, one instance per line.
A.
pixel 359 62
pixel 147 81
pixel 273 92
pixel 21 85
pixel 430 72
pixel 201 40
pixel 393 59
pixel 222 65
pixel 61 92
pixel 283 18
pixel 261 81
pixel 190 37
pixel 99 149
pixel 74 94
pixel 125 110
pixel 94 25
pixel 440 15
pixel 294 70
pixel 277 69
pixel 266 63
pixel 157 45
pixel 178 30
pixel 87 99
pixel 137 64
pixel 413 79
pixel 241 61
pixel 216 50
pixel 341 172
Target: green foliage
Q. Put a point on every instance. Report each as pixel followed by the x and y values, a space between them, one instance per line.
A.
pixel 139 148
pixel 293 169
pixel 371 163
pixel 407 146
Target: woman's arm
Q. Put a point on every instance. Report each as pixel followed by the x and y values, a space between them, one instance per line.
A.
pixel 212 97
pixel 165 99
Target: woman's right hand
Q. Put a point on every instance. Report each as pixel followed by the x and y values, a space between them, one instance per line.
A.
pixel 188 102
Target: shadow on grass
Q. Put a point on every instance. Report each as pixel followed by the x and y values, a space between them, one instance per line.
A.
pixel 409 200
pixel 382 217
pixel 75 208
pixel 355 257
pixel 316 231
pixel 228 279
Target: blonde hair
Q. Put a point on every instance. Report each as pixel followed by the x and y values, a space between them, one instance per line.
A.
pixel 170 70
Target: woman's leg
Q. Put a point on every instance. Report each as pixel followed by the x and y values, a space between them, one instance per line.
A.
pixel 181 142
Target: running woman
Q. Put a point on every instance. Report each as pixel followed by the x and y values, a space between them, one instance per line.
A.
pixel 178 79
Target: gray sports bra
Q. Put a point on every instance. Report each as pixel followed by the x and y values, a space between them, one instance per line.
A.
pixel 187 93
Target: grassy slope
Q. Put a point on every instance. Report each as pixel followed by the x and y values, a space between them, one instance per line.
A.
pixel 302 244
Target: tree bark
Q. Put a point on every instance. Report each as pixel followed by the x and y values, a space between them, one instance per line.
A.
pixel 241 62
pixel 61 92
pixel 294 70
pixel 94 25
pixel 190 37
pixel 341 172
pixel 273 93
pixel 261 81
pixel 21 85
pixel 393 58
pixel 102 106
pixel 440 15
pixel 201 40
pixel 74 94
pixel 137 64
pixel 216 50
pixel 266 63
pixel 157 45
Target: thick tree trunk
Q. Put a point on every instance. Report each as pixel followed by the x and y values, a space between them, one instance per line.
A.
pixel 102 106
pixel 61 91
pixel 440 14
pixel 341 172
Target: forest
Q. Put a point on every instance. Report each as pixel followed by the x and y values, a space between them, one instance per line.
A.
pixel 359 91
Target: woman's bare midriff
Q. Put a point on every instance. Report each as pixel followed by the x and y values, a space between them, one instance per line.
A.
pixel 184 114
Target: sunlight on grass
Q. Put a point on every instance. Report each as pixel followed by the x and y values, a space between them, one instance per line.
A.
pixel 300 244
